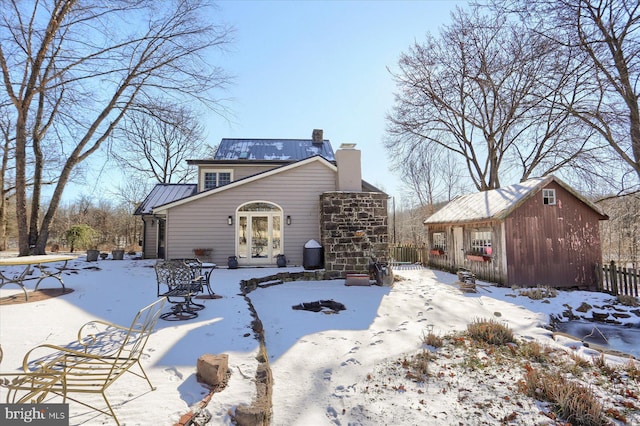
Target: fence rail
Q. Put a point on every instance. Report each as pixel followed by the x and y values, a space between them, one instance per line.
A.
pixel 618 281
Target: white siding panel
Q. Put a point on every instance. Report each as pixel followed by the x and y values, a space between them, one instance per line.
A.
pixel 202 223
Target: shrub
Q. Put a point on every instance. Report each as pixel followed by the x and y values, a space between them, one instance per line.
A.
pixel 81 236
pixel 490 331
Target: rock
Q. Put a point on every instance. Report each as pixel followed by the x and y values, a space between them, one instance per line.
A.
pixel 251 415
pixel 621 315
pixel 599 316
pixel 211 369
pixel 584 307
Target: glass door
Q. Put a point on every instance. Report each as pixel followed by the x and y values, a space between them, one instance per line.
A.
pixel 259 237
pixel 259 233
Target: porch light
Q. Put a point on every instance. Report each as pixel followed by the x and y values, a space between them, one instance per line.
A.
pixel 288 220
pixel 230 220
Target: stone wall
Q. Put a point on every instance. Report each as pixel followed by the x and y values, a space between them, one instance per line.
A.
pixel 353 227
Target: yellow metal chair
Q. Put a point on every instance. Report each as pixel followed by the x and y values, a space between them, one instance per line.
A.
pixel 104 353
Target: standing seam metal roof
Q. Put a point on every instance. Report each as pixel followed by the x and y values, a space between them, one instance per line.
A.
pixel 496 203
pixel 273 149
pixel 164 193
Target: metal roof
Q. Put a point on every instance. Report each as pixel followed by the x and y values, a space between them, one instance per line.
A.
pixel 497 203
pixel 164 193
pixel 273 149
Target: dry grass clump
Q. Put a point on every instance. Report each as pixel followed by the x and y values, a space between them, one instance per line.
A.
pixel 417 368
pixel 490 331
pixel 432 339
pixel 571 401
pixel 632 370
pixel 539 293
pixel 627 300
pixel 579 363
pixel 535 352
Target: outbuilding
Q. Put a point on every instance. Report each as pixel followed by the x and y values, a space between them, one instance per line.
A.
pixel 540 232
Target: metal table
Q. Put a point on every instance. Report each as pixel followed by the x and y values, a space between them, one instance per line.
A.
pixel 30 262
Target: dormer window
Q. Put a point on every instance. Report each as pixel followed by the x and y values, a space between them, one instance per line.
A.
pixel 549 197
pixel 216 179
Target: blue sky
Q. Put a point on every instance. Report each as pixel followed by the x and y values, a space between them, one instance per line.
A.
pixel 301 65
pixel 304 65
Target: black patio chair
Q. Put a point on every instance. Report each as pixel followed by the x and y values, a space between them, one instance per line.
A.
pixel 176 282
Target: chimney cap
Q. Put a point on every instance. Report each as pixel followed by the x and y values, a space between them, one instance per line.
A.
pixel 347 145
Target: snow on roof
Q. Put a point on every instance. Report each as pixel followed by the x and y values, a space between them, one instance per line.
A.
pixel 164 193
pixel 496 203
pixel 273 149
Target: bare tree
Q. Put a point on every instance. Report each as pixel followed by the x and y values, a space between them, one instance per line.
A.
pixel 479 90
pixel 430 174
pixel 7 187
pixel 621 233
pixel 72 69
pixel 607 73
pixel 155 142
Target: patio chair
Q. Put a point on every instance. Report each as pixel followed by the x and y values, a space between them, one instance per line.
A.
pixel 176 282
pixel 200 273
pixel 104 352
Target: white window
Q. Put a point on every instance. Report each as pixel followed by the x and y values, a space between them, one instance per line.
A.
pixel 216 179
pixel 439 241
pixel 481 243
pixel 549 197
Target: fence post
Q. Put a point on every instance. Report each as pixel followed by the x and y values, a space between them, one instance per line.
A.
pixel 614 279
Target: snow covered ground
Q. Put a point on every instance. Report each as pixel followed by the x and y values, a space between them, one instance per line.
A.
pixel 349 367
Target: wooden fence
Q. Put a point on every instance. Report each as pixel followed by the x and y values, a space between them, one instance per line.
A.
pixel 611 279
pixel 618 281
pixel 407 253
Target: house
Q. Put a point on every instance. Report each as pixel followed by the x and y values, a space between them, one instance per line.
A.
pixel 258 199
pixel 537 232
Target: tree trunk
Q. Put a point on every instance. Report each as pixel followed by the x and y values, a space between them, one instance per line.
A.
pixel 21 184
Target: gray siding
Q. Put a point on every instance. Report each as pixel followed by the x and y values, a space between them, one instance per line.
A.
pixel 150 240
pixel 493 270
pixel 240 171
pixel 202 223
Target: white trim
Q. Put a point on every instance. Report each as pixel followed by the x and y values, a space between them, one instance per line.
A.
pixel 270 258
pixel 204 170
pixel 244 181
pixel 550 195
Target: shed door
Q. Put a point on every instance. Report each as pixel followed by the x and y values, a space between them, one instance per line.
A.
pixel 458 246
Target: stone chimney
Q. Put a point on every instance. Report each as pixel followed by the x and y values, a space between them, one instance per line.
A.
pixel 317 136
pixel 349 168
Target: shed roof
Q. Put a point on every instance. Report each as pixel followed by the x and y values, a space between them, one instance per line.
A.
pixel 164 193
pixel 498 203
pixel 272 149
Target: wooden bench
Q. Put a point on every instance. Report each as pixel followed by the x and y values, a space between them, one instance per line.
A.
pixel 103 353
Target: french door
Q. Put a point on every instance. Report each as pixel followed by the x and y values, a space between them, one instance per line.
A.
pixel 259 230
